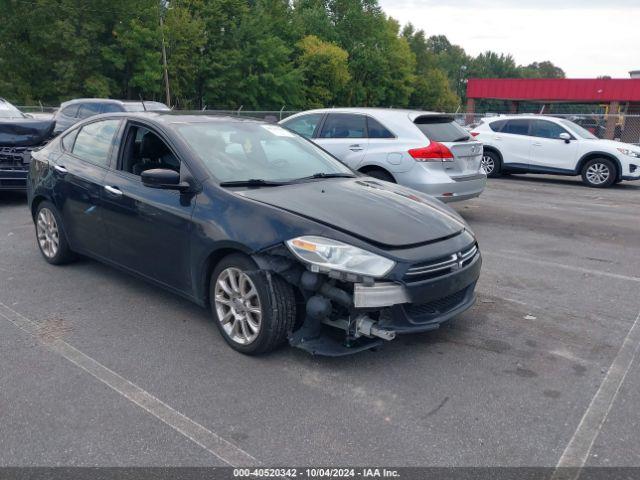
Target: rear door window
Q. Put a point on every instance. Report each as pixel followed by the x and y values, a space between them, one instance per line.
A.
pixel 441 129
pixel 376 130
pixel 344 125
pixel 88 109
pixel 111 107
pixel 517 127
pixel 304 125
pixel 497 126
pixel 94 141
pixel 71 111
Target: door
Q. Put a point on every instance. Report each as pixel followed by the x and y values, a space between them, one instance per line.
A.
pixel 548 150
pixel 344 135
pixel 514 143
pixel 80 171
pixel 149 229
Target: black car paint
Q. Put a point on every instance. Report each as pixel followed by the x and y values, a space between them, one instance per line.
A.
pixel 173 238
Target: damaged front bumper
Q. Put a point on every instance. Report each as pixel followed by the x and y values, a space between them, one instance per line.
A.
pixel 372 313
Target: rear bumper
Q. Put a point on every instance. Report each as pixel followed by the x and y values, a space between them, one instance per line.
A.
pixel 442 186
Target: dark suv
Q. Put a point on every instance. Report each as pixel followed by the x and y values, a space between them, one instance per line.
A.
pixel 73 111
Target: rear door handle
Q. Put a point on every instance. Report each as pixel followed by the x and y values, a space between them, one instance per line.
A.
pixel 60 169
pixel 355 148
pixel 113 190
pixel 497 137
pixel 537 144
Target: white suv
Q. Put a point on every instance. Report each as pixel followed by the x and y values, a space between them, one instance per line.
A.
pixel 425 151
pixel 542 144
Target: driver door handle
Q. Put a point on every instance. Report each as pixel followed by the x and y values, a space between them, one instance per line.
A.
pixel 355 148
pixel 537 144
pixel 60 169
pixel 113 190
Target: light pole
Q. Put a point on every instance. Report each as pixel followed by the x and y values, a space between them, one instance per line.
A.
pixel 165 4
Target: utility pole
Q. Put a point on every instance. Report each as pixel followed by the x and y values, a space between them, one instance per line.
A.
pixel 164 64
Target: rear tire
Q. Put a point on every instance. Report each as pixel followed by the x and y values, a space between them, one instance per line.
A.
pixel 599 173
pixel 381 175
pixel 492 164
pixel 253 309
pixel 51 236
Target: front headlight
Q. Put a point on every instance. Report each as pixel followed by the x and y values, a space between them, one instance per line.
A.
pixel 325 253
pixel 628 152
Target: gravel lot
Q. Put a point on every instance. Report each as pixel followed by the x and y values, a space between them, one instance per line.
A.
pixel 99 368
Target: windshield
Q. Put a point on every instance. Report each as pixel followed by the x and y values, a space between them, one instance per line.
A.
pixel 9 111
pixel 441 129
pixel 578 130
pixel 237 151
pixel 148 106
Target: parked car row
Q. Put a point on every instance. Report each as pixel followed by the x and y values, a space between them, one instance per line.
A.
pixel 21 133
pixel 322 231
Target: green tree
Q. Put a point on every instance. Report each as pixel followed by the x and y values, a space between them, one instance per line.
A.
pixel 326 71
pixel 544 69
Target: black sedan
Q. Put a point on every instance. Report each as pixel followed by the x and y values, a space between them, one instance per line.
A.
pixel 279 238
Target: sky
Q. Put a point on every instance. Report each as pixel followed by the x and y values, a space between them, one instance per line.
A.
pixel 586 38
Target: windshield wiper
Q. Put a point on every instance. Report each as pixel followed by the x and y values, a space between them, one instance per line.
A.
pixel 462 139
pixel 327 175
pixel 252 182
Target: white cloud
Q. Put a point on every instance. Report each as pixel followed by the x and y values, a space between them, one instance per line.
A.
pixel 586 38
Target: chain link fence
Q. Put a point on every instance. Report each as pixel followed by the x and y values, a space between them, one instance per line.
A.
pixel 621 127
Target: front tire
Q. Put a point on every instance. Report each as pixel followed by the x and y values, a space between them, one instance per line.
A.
pixel 492 164
pixel 599 173
pixel 51 236
pixel 253 309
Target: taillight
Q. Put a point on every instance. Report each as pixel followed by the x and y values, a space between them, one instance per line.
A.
pixel 435 152
pixel 475 134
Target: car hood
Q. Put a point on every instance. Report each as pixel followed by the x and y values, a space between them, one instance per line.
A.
pixel 612 145
pixel 24 132
pixel 378 212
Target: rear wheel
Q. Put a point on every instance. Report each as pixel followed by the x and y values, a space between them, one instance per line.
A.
pixel 381 175
pixel 492 164
pixel 50 234
pixel 599 173
pixel 254 312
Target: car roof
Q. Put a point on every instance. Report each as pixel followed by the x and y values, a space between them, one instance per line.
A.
pixel 522 116
pixel 383 112
pixel 105 100
pixel 171 117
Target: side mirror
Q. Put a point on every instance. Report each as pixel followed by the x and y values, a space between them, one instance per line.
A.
pixel 163 178
pixel 565 136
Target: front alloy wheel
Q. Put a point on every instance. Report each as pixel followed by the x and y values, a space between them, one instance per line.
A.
pixel 599 173
pixel 254 310
pixel 238 306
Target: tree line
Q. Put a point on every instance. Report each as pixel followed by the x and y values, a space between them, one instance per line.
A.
pixel 224 54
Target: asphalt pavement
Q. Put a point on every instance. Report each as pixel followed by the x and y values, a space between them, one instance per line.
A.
pixel 98 368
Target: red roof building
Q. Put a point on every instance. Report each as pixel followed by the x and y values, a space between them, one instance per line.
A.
pixel 613 92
